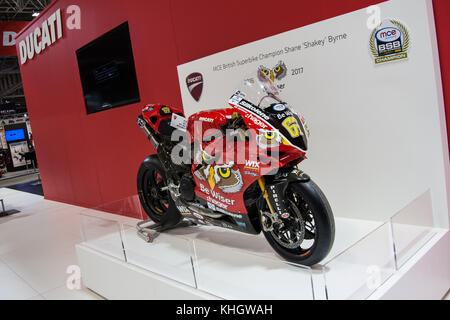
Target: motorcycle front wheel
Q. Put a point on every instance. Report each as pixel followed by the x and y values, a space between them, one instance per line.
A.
pixel 307 235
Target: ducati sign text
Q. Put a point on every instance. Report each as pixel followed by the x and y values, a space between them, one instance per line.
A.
pixel 41 38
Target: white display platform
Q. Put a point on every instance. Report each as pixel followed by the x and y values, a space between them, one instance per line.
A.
pixel 229 263
pixel 212 263
pixel 115 279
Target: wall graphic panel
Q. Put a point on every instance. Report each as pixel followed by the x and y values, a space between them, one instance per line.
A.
pixel 374 114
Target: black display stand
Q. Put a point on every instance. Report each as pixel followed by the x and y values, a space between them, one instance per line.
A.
pixel 5 213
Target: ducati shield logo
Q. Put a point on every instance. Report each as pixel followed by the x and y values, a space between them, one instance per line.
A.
pixel 194 83
pixel 389 41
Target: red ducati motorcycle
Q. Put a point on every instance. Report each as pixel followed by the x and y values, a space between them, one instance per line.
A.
pixel 237 168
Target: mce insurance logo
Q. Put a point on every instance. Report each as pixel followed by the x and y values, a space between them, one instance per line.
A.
pixel 389 41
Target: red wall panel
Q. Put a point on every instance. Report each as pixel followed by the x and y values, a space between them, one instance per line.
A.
pixel 204 27
pixel 93 159
pixel 442 19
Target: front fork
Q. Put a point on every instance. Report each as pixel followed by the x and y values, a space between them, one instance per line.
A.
pixel 274 194
pixel 262 185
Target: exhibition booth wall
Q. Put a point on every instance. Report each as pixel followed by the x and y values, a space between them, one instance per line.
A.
pixel 92 159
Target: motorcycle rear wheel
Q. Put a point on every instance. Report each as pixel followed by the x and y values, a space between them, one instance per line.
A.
pixel 308 234
pixel 157 203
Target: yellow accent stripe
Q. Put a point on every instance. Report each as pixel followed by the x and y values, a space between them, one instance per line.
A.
pixel 262 185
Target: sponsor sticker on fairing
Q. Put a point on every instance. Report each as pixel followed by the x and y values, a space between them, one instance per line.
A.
pixel 204 119
pixel 252 164
pixel 235 100
pixel 285 215
pixel 254 174
pixel 178 122
pixel 279 107
pixel 254 109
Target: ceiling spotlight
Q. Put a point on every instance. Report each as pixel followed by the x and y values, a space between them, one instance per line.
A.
pixel 35 14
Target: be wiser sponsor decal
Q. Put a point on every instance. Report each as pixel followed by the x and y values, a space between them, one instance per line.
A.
pixel 216 198
pixel 194 83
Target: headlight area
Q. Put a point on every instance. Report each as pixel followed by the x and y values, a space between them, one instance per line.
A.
pixel 269 139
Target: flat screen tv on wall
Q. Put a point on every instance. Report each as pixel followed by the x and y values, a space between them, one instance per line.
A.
pixel 107 71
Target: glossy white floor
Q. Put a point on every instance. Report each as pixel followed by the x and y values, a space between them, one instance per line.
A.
pixel 36 247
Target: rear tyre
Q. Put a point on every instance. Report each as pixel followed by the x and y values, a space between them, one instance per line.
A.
pixel 307 235
pixel 157 203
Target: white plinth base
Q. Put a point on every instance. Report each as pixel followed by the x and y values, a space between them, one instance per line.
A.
pixel 426 276
pixel 116 279
pixel 232 265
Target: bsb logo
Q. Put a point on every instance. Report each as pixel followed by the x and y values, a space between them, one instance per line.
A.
pixel 389 41
pixel 194 83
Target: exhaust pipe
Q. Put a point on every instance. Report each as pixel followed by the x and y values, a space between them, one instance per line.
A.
pixel 202 211
pixel 175 194
pixel 197 209
pixel 148 131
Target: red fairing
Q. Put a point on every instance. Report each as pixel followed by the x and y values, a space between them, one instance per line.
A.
pixel 234 165
pixel 155 113
pixel 206 122
pixel 245 168
pixel 241 158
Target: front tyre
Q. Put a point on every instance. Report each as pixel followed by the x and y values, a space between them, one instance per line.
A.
pixel 307 235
